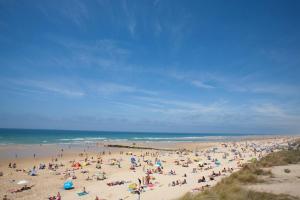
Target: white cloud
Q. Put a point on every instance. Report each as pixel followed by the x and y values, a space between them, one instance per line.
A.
pixel 114 88
pixel 47 86
pixel 201 84
pixel 175 106
pixel 75 11
pixel 104 54
pixel 245 84
pixel 131 27
pixel 268 109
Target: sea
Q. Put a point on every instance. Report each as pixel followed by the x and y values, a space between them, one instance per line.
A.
pixel 37 136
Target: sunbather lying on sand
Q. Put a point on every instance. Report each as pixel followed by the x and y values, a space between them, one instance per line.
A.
pixel 116 183
pixel 25 187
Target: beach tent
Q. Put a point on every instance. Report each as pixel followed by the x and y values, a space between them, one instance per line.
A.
pixel 77 164
pixel 68 185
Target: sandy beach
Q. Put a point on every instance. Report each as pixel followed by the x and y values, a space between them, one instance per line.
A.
pixel 120 173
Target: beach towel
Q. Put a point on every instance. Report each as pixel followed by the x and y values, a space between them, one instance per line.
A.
pixel 82 193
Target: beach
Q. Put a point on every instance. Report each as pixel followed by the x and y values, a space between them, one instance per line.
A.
pixel 168 172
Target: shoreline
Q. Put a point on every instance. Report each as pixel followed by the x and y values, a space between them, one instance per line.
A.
pixel 9 151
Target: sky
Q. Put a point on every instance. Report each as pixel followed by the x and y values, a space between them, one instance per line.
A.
pixel 139 65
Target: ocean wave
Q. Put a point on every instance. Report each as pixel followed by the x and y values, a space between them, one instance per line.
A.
pixel 181 138
pixel 82 139
pixel 118 139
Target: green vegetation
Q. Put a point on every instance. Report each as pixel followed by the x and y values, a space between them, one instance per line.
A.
pixel 280 158
pixel 230 188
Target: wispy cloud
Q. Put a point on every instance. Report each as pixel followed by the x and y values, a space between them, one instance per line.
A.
pixel 109 88
pixel 131 21
pixel 75 11
pixel 268 109
pixel 201 84
pixel 46 86
pixel 171 106
pixel 105 54
pixel 244 84
pixel 273 88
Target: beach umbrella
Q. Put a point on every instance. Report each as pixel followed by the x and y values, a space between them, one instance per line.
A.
pixel 22 182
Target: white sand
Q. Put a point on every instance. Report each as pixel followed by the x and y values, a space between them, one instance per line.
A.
pixel 281 182
pixel 47 183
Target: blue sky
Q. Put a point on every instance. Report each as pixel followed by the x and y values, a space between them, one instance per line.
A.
pixel 176 66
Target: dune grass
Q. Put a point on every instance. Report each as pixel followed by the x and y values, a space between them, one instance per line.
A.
pixel 230 188
pixel 284 157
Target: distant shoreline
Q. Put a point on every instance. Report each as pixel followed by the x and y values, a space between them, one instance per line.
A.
pixel 9 151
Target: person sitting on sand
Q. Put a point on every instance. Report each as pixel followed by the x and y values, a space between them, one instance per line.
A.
pixel 185 165
pixel 14 165
pixel 183 182
pixel 201 180
pixel 147 179
pixel 58 197
pixel 5 197
pixel 9 165
pixel 173 183
pixel 213 174
pixel 42 166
